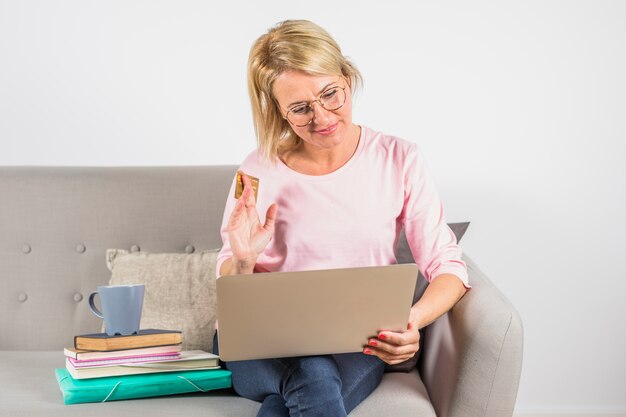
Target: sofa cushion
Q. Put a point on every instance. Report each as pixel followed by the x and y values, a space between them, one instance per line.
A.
pixel 30 389
pixel 180 291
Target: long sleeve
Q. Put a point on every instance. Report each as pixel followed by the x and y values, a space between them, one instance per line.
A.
pixel 432 242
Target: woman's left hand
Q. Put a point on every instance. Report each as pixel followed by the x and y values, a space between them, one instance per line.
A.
pixel 395 347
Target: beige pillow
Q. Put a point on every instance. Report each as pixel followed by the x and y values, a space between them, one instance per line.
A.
pixel 180 291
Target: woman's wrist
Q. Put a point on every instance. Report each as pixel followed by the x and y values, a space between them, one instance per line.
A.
pixel 242 266
pixel 232 266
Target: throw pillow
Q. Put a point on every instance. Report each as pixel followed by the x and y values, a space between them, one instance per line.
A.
pixel 403 255
pixel 180 291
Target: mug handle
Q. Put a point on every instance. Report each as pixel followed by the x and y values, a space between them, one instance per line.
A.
pixel 93 307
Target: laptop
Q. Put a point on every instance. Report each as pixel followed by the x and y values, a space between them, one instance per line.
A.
pixel 285 314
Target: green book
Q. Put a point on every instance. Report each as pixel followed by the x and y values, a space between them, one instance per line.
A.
pixel 139 386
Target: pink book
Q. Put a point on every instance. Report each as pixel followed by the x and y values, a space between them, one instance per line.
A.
pixel 124 360
pixel 81 355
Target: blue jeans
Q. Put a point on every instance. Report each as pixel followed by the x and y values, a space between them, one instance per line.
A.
pixel 306 386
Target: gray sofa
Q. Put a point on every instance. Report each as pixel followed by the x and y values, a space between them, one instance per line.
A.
pixel 57 222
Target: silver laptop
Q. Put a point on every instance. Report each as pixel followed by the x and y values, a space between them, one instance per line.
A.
pixel 283 314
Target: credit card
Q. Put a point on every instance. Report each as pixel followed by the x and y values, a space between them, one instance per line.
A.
pixel 239 186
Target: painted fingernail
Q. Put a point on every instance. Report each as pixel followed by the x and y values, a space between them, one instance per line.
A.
pixel 382 336
pixel 373 343
pixel 367 351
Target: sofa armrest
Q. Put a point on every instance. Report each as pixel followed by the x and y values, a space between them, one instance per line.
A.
pixel 472 356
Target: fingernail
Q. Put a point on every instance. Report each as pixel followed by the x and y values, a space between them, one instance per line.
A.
pixel 367 351
pixel 382 336
pixel 373 343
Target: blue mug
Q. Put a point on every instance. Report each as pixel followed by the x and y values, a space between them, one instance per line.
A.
pixel 121 308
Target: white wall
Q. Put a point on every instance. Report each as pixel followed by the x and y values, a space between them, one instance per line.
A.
pixel 520 108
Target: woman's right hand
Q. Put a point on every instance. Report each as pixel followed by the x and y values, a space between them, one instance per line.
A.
pixel 247 236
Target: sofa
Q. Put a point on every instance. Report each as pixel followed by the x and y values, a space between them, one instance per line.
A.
pixel 56 224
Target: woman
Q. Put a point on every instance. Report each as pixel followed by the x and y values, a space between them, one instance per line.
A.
pixel 335 195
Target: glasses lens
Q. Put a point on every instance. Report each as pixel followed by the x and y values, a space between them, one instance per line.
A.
pixel 333 98
pixel 300 116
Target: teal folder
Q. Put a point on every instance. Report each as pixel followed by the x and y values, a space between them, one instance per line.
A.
pixel 138 386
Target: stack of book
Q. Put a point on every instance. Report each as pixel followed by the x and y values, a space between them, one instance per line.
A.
pixel 106 368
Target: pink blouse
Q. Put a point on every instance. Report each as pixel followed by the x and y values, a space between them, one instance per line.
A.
pixel 353 216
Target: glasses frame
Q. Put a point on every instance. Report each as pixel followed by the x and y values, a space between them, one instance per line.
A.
pixel 321 103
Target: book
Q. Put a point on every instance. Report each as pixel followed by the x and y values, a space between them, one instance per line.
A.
pixel 139 386
pixel 145 338
pixel 123 360
pixel 81 355
pixel 189 360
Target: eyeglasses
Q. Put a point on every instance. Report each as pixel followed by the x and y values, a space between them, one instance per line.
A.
pixel 331 99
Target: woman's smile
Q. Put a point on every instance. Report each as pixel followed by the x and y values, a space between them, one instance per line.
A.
pixel 327 130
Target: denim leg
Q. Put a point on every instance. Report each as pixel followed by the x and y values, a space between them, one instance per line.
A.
pixel 256 379
pixel 360 375
pixel 309 386
pixel 312 387
pixel 273 406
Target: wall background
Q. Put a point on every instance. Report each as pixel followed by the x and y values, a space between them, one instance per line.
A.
pixel 519 107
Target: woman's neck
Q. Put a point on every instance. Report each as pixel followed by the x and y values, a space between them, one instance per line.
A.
pixel 311 160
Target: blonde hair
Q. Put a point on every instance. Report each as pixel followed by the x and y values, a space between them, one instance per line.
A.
pixel 298 45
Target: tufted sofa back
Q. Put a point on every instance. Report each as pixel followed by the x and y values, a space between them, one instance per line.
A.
pixel 57 222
